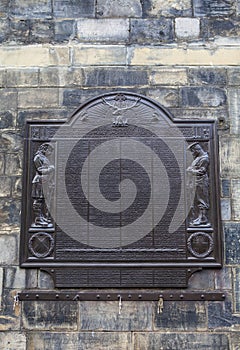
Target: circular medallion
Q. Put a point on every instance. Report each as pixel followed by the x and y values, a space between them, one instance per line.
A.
pixel 200 244
pixel 41 244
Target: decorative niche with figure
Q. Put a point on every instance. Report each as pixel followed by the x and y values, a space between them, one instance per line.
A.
pixel 121 195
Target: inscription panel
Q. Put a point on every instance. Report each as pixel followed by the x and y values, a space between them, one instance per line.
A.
pixel 121 195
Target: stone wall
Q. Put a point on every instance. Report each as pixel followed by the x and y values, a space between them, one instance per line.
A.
pixel 54 55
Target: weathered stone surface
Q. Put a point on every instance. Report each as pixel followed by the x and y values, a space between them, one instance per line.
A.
pixel 5 186
pixel 225 188
pixel 236 282
pixel 182 316
pixel 14 278
pixel 31 9
pixel 4 8
pixel 183 57
pixel 9 215
pixel 41 31
pixel 151 31
pixel 232 238
pixel 235 340
pixel 99 55
pixel 2 163
pixel 203 280
pixel 166 96
pixel 220 315
pixel 223 278
pixel 118 8
pixel 170 341
pixel 38 114
pixel 212 28
pixel 16 186
pixel 103 30
pixel 10 316
pixel 165 76
pixel 235 200
pixel 234 76
pixel 197 113
pixel 2 77
pixel 64 30
pixel 213 7
pixel 13 340
pixel 203 97
pixel 60 77
pixel 50 316
pixel 11 141
pixel 34 56
pixel 230 157
pixel 73 8
pixel 226 209
pixel 31 278
pixel 8 255
pixel 19 31
pixel 4 29
pixel 22 77
pixel 8 100
pixel 1 284
pixel 38 98
pixel 154 8
pixel 115 77
pixel 6 120
pixel 234 110
pixel 134 316
pixel 13 164
pixel 187 28
pixel 45 280
pixel 84 341
pixel 72 97
pixel 207 76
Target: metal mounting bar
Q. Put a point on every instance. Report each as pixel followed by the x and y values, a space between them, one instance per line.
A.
pixel 125 296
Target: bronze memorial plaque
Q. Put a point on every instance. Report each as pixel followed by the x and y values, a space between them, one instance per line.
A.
pixel 121 195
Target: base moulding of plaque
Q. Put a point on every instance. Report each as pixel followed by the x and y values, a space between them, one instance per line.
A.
pixel 32 295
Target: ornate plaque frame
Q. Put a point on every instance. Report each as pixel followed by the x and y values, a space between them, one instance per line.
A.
pixel 121 195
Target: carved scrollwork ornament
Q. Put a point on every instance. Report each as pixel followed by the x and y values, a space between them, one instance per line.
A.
pixel 41 244
pixel 200 244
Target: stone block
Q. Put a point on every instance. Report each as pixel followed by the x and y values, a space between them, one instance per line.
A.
pixel 198 113
pixel 225 188
pixel 220 315
pixel 202 280
pixel 187 28
pixel 41 32
pixel 9 215
pixel 223 278
pixel 2 163
pixel 16 187
pixel 6 120
pixel 134 316
pixel 22 77
pixel 8 100
pixel 166 76
pixel 236 288
pixel 8 255
pixel 178 341
pixel 31 278
pixel 64 30
pixel 19 31
pixel 34 56
pixel 38 114
pixel 148 31
pixel 10 317
pixel 235 340
pixel 207 76
pixel 14 278
pixel 235 200
pixel 212 28
pixel 2 77
pixel 181 315
pixel 73 8
pixel 13 164
pixel 115 77
pixel 204 8
pixel 203 97
pixel 155 8
pixel 5 186
pixel 4 4
pixel 13 340
pixel 1 285
pixel 233 76
pixel 38 98
pixel 11 141
pixel 234 110
pixel 61 77
pixel 118 8
pixel 4 29
pixel 232 239
pixel 83 340
pixel 31 9
pixel 226 209
pixel 230 157
pixel 168 97
pixel 99 55
pixel 72 97
pixel 143 55
pixel 43 315
pixel 103 30
pixel 45 280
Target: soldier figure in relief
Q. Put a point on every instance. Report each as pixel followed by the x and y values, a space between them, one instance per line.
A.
pixel 199 168
pixel 43 180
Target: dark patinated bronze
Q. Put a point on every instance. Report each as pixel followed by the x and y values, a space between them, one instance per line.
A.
pixel 121 195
